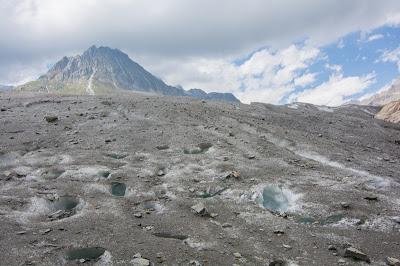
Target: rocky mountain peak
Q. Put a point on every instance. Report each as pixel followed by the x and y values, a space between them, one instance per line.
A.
pixel 106 70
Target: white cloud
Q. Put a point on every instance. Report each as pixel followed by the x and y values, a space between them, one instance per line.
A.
pixel 33 30
pixel 391 56
pixel 266 76
pixel 334 91
pixel 305 80
pixel 375 37
pixel 335 68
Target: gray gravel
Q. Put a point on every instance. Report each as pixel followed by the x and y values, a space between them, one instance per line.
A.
pixel 336 170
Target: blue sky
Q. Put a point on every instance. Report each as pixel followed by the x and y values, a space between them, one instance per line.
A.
pixel 360 53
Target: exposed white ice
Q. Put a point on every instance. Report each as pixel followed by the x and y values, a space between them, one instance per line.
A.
pixel 373 180
pixel 89 88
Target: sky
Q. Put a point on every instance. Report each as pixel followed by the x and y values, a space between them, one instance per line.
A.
pixel 325 52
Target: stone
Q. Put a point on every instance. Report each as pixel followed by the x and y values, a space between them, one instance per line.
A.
pixel 213 215
pixel 371 197
pixel 45 231
pixel 233 174
pixel 138 215
pixel 194 263
pixel 277 262
pixel 332 247
pixel 396 219
pixel 160 172
pixel 345 205
pixel 237 255
pixel 226 225
pixel 200 209
pixel 162 147
pixel 392 261
pixel 51 119
pixel 356 254
pixel 279 232
pixel 287 246
pixel 140 262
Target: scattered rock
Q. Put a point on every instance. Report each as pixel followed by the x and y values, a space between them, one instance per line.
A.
pixel 194 263
pixel 138 215
pixel 396 219
pixel 251 157
pixel 371 197
pixel 51 119
pixel 356 254
pixel 237 255
pixel 213 215
pixel 46 231
pixel 226 225
pixel 200 209
pixel 279 232
pixel 332 247
pixel 140 262
pixel 160 172
pixel 287 246
pixel 162 147
pixel 171 236
pixel 392 261
pixel 233 174
pixel 277 262
pixel 345 205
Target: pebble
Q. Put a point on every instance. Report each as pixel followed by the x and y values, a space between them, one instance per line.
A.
pixel 226 225
pixel 233 174
pixel 345 205
pixel 194 263
pixel 160 172
pixel 277 263
pixel 140 262
pixel 237 255
pixel 371 197
pixel 51 119
pixel 332 247
pixel 356 254
pixel 200 209
pixel 392 261
pixel 138 215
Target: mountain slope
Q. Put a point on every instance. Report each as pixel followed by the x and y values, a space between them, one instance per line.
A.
pixel 384 97
pixel 390 112
pixel 105 70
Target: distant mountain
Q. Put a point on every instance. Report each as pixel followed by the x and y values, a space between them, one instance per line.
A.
pixel 383 97
pixel 106 70
pixel 5 87
pixel 200 94
pixel 390 112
